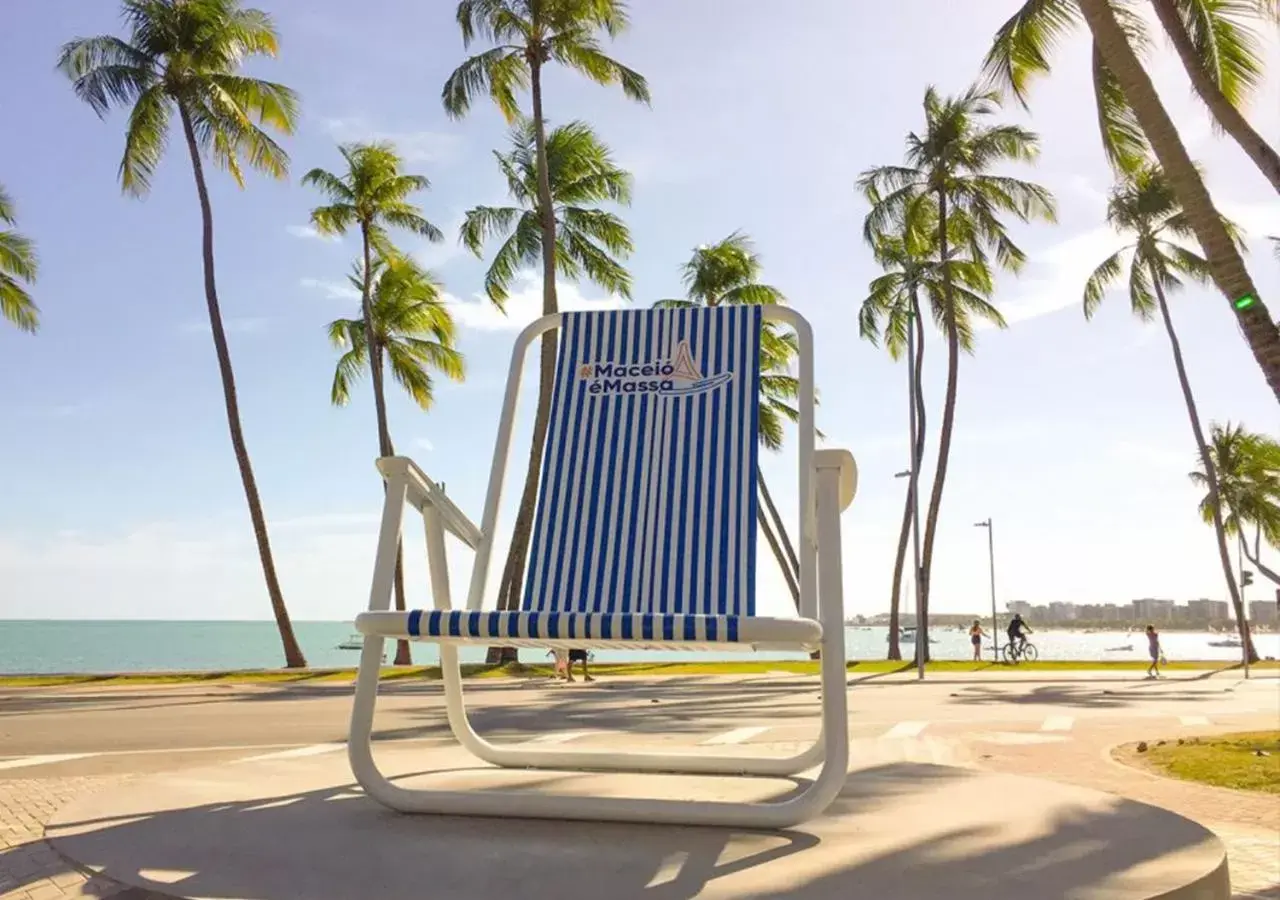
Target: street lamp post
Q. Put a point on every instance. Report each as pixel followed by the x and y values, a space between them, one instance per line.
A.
pixel 991 557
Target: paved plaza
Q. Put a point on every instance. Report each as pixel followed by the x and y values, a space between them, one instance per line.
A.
pixel 62 748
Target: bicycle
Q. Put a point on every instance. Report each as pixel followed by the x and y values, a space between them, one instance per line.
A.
pixel 1017 651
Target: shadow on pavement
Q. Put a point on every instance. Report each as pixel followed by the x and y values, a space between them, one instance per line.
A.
pixel 334 844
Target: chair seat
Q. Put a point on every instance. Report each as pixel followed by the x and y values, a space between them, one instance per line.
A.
pixel 603 630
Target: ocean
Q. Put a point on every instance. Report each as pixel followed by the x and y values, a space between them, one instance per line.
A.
pixel 59 646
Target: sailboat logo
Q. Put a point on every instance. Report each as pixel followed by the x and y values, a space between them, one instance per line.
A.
pixel 679 376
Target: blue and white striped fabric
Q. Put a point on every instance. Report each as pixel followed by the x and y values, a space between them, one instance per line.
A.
pixel 572 628
pixel 648 498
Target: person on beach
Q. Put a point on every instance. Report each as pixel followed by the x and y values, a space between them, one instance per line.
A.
pixel 577 656
pixel 976 634
pixel 561 658
pixel 1153 648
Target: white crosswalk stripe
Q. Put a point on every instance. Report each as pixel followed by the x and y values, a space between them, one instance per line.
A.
pixel 560 737
pixel 737 735
pixel 1057 723
pixel 906 730
pixel 23 762
pixel 296 752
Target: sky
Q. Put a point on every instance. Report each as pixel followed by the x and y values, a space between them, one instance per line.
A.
pixel 119 495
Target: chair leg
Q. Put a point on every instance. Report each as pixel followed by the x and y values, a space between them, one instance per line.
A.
pixel 523 757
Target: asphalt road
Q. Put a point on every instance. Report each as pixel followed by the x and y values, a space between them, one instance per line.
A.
pixel 64 731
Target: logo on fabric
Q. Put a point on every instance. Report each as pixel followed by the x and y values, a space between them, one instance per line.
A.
pixel 680 376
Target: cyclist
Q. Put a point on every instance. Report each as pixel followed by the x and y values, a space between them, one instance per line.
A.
pixel 1017 632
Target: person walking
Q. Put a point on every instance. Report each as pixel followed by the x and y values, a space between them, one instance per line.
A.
pixel 577 656
pixel 976 634
pixel 1153 648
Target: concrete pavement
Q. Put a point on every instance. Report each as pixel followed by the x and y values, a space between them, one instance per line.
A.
pixel 52 738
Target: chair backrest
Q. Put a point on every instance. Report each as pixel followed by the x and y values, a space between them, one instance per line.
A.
pixel 648 491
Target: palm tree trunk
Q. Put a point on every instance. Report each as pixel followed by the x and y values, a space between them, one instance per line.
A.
pixel 895 594
pixel 917 457
pixel 782 549
pixel 1210 471
pixel 1231 120
pixel 513 571
pixel 404 656
pixel 944 434
pixel 1225 263
pixel 1256 557
pixel 293 657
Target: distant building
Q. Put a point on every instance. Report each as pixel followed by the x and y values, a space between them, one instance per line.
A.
pixel 1149 609
pixel 1208 610
pixel 1019 606
pixel 1063 612
pixel 1263 612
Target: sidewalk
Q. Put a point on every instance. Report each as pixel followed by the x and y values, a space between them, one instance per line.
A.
pixel 29 868
pixel 1247 823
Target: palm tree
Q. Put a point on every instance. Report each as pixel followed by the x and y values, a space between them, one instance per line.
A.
pixel 18 268
pixel 1218 49
pixel 372 194
pixel 411 323
pixel 1143 207
pixel 947 181
pixel 589 242
pixel 1248 470
pixel 892 306
pixel 182 58
pixel 528 36
pixel 728 274
pixel 1133 118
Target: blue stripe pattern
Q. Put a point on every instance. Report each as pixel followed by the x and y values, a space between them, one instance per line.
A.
pixel 648 500
pixel 573 626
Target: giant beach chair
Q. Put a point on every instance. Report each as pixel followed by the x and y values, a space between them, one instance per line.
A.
pixel 644 538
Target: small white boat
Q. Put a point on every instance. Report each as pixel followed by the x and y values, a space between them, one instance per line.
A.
pixel 1118 649
pixel 908 636
pixel 355 642
pixel 1229 642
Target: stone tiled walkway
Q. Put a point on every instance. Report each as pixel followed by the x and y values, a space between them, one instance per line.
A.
pixel 29 868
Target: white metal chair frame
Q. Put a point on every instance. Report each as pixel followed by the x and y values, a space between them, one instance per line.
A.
pixel 827 480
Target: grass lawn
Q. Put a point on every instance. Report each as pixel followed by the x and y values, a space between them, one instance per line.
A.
pixel 743 667
pixel 1229 760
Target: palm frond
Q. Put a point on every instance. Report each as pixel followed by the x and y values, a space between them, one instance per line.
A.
pixel 499 72
pixel 1106 274
pixel 1024 43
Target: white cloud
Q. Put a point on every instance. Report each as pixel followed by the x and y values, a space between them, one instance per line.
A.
pixel 333 290
pixel 413 146
pixel 524 305
pixel 1056 276
pixel 424 443
pixel 309 232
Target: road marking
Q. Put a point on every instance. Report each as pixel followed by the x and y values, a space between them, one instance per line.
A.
pixel 906 730
pixel 1194 720
pixel 737 735
pixel 23 762
pixel 559 737
pixel 1057 723
pixel 296 753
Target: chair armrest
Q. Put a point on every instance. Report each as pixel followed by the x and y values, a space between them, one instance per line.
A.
pixel 842 460
pixel 423 492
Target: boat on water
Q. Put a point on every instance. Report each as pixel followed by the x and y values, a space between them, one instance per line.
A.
pixel 908 636
pixel 1118 649
pixel 355 642
pixel 1229 642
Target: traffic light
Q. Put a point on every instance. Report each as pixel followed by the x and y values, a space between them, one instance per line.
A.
pixel 1246 578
